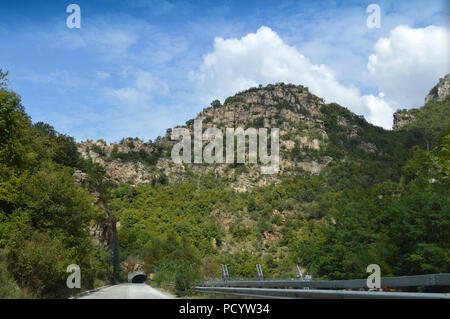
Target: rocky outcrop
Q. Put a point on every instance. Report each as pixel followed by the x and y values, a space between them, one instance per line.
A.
pixel 292 109
pixel 130 173
pixel 401 119
pixel 440 92
pixel 81 179
pixel 271 106
pixel 111 157
pixel 299 115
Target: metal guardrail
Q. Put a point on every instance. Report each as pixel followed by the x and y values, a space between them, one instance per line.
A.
pixel 322 294
pixel 258 288
pixel 391 282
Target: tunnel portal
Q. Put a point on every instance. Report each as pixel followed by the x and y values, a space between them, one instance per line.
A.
pixel 138 279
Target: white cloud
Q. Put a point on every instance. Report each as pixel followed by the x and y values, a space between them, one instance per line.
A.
pixel 139 95
pixel 148 82
pixel 130 96
pixel 58 78
pixel 263 57
pixel 114 42
pixel 111 36
pixel 408 63
pixel 380 112
pixel 404 67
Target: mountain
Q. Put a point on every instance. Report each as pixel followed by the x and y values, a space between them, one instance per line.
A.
pixel 348 193
pixel 440 92
pixel 313 134
pixel 433 115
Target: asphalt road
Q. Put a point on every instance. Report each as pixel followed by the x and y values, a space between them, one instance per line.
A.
pixel 128 291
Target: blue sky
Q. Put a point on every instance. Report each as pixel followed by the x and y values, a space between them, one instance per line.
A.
pixel 136 67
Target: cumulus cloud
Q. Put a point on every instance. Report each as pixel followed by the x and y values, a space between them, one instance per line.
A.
pixel 408 63
pixel 263 57
pixel 403 67
pixel 379 110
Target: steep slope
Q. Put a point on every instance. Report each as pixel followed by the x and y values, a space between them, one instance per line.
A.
pixel 45 215
pixel 345 191
pixel 312 135
pixel 434 115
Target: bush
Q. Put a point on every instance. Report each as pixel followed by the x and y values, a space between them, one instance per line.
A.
pixel 39 263
pixel 185 280
pixel 9 289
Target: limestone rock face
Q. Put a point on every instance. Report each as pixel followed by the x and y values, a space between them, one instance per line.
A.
pixel 80 177
pixel 298 114
pixel 401 119
pixel 440 92
pixel 267 107
pixel 132 172
pixel 437 94
pixel 292 109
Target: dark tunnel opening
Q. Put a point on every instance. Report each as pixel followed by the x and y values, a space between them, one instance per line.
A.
pixel 138 279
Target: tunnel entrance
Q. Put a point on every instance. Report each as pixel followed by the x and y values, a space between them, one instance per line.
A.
pixel 138 279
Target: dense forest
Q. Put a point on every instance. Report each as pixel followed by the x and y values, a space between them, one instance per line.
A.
pixel 44 216
pixel 334 224
pixel 390 208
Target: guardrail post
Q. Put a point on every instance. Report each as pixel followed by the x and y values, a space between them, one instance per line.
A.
pixel 223 272
pixel 308 277
pixel 225 275
pixel 260 275
pixel 299 273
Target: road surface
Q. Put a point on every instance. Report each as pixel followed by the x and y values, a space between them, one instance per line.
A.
pixel 128 291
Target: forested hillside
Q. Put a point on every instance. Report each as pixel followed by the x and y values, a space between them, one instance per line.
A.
pixel 349 194
pixel 44 216
pixel 379 197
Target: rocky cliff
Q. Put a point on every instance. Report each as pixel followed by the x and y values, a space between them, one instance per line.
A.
pixel 401 119
pixel 292 109
pixel 305 122
pixel 440 92
pixel 438 95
